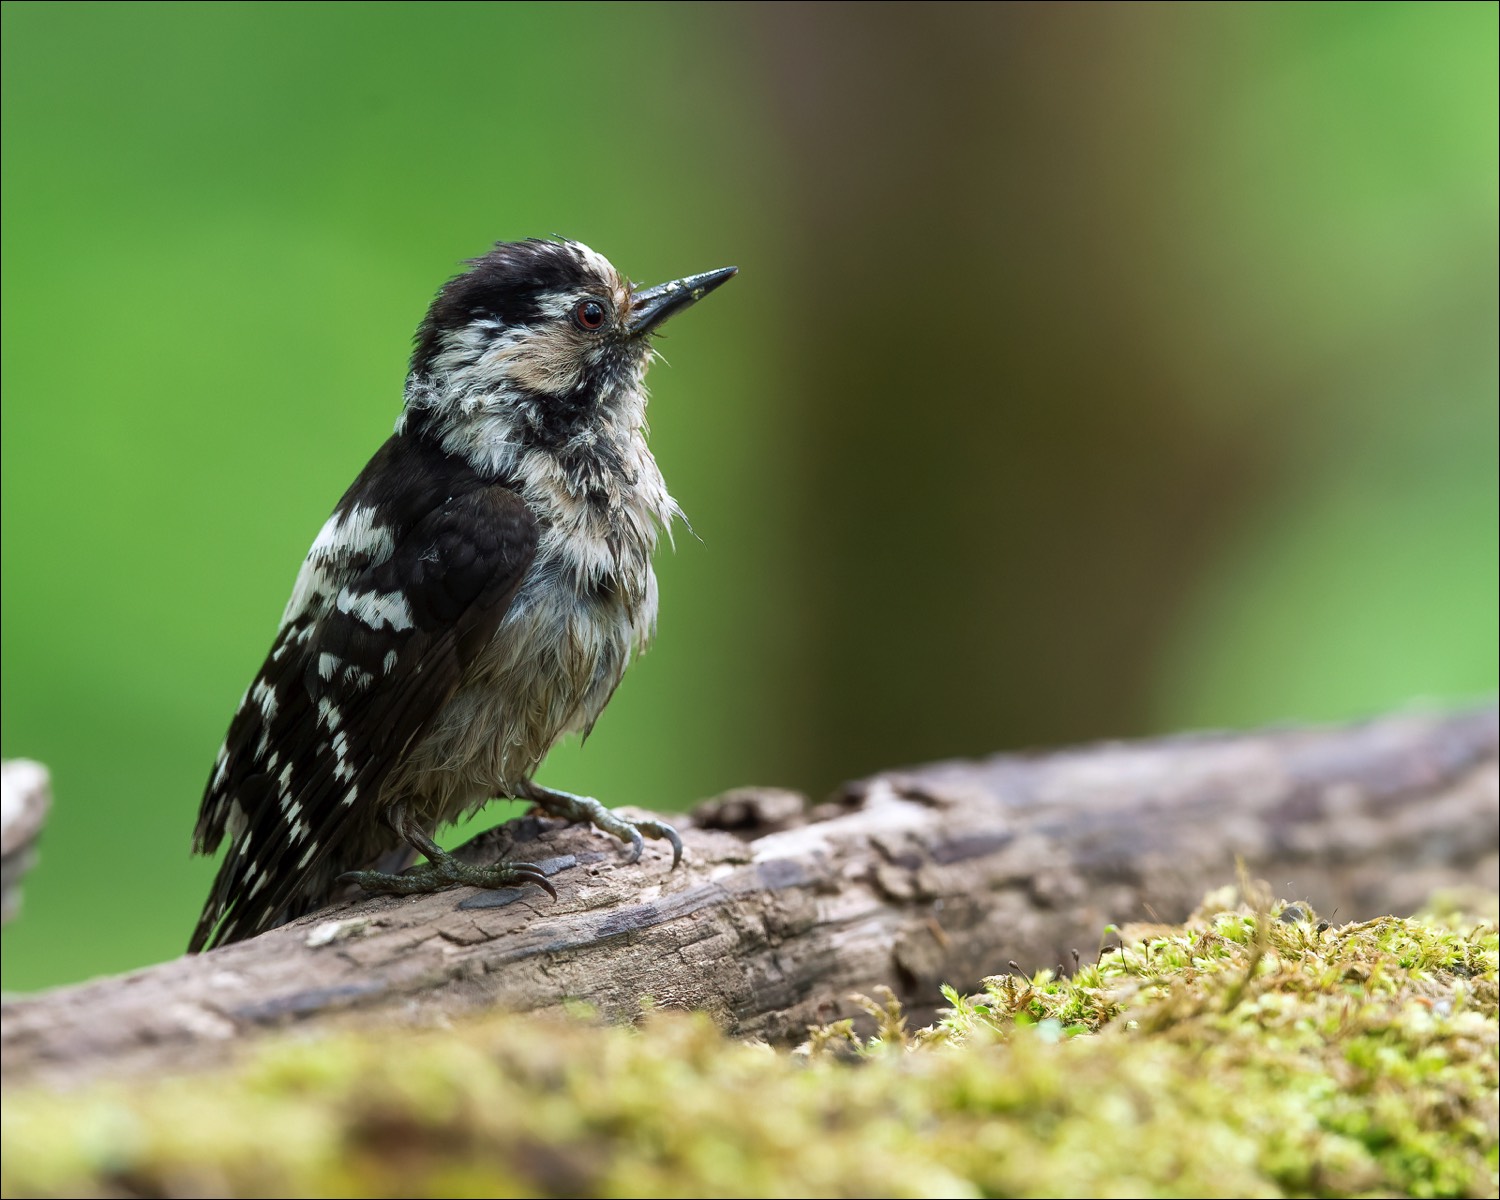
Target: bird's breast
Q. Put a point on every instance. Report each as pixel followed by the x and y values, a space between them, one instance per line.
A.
pixel 549 670
pixel 586 606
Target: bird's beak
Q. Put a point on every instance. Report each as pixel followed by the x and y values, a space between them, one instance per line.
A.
pixel 650 308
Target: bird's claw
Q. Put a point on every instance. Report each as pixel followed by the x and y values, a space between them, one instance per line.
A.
pixel 636 832
pixel 587 810
pixel 656 829
pixel 446 872
pixel 530 873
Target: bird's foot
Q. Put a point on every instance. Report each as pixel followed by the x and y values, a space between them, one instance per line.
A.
pixel 589 811
pixel 443 871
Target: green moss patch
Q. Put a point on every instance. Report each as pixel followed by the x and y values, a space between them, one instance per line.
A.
pixel 1253 1051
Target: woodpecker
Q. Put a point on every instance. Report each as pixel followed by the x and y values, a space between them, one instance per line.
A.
pixel 476 595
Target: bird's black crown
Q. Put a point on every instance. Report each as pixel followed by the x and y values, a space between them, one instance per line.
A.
pixel 505 285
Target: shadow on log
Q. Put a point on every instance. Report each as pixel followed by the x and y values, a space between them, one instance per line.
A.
pixel 937 874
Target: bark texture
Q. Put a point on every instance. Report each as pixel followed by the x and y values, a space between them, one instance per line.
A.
pixel 912 878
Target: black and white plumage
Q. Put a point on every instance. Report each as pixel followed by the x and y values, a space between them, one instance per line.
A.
pixel 476 595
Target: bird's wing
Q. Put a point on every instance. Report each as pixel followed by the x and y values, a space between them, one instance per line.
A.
pixel 351 682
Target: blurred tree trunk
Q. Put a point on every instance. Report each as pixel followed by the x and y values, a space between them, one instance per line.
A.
pixel 1037 486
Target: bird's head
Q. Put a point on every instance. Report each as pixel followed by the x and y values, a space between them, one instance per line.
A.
pixel 540 345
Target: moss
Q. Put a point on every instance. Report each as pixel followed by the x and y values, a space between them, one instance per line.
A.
pixel 1245 1053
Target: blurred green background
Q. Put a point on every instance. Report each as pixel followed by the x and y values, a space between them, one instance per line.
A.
pixel 1093 371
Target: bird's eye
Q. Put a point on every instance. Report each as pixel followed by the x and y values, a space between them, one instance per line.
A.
pixel 589 315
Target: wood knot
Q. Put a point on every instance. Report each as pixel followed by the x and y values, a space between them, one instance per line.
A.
pixel 752 811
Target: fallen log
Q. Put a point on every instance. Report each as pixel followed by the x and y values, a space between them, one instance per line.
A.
pixel 935 874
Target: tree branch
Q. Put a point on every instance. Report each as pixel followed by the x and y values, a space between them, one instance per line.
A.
pixel 912 878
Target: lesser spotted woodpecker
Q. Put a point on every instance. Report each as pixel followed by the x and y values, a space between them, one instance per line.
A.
pixel 476 595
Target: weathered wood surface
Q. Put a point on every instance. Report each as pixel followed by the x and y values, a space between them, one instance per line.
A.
pixel 941 873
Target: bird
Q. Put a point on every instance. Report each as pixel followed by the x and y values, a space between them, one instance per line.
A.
pixel 475 596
